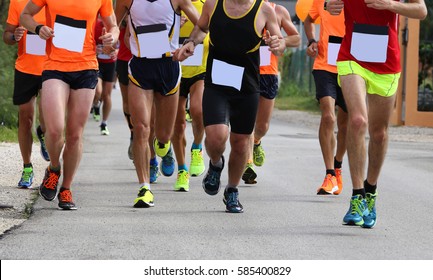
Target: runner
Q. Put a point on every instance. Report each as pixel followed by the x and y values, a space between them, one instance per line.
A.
pixel 68 81
pixel 27 83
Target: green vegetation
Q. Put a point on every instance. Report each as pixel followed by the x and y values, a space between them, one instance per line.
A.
pixel 8 134
pixel 8 112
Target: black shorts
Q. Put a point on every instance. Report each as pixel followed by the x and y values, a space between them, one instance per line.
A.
pixel 75 80
pixel 122 72
pixel 107 71
pixel 186 84
pixel 327 85
pixel 160 75
pixel 237 109
pixel 25 87
pixel 268 86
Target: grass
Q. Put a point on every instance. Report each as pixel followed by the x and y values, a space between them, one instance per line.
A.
pixel 9 135
pixel 298 103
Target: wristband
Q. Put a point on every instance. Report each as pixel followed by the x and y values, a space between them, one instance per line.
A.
pixel 311 41
pixel 187 41
pixel 38 28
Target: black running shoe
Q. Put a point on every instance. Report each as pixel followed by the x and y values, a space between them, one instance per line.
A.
pixel 65 200
pixel 211 182
pixel 48 188
pixel 231 200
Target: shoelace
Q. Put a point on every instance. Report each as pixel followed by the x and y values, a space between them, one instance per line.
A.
pixel 65 196
pixel 196 157
pixel 51 181
pixel 26 175
pixel 356 205
pixel 232 199
pixel 213 177
pixel 370 203
pixel 183 176
pixel 168 159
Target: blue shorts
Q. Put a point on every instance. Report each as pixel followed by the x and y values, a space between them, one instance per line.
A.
pixel 268 86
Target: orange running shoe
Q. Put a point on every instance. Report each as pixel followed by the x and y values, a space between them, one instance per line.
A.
pixel 339 181
pixel 65 200
pixel 329 185
pixel 48 188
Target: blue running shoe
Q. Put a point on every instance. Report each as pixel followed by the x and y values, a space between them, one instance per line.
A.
pixel 370 218
pixel 357 210
pixel 167 164
pixel 41 138
pixel 231 200
pixel 26 178
pixel 154 172
pixel 211 182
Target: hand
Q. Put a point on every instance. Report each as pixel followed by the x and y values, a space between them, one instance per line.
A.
pixel 184 52
pixel 107 41
pixel 274 42
pixel 312 50
pixel 183 20
pixel 334 7
pixel 19 33
pixel 46 32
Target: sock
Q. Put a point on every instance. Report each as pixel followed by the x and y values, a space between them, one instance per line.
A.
pixel 359 191
pixel 146 185
pixel 250 161
pixel 337 164
pixel 218 164
pixel 39 130
pixel 369 188
pixel 132 135
pixel 54 169
pixel 195 146
pixel 153 161
pixel 28 165
pixel 104 123
pixel 231 188
pixel 257 142
pixel 182 167
pixel 330 171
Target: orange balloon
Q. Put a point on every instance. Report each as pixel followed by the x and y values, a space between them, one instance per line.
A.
pixel 303 8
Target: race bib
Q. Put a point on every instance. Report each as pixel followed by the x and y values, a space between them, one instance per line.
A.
pixel 265 56
pixel 226 74
pixel 334 44
pixel 69 34
pixel 153 40
pixel 370 43
pixel 197 58
pixel 34 44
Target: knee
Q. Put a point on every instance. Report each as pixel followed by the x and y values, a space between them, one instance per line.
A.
pixel 179 129
pixel 26 120
pixel 141 130
pixel 196 113
pixel 379 136
pixel 240 145
pixel 358 123
pixel 328 120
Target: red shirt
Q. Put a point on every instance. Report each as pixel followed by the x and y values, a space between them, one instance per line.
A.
pixel 357 11
pixel 102 58
pixel 124 53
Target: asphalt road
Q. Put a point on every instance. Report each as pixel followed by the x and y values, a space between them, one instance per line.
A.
pixel 283 218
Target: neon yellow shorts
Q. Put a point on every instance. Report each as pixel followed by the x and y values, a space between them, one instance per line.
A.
pixel 382 84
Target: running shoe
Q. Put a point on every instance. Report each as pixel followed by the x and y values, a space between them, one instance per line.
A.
pixel 167 164
pixel 153 172
pixel 339 178
pixel 258 154
pixel 48 188
pixel 182 181
pixel 197 167
pixel 26 180
pixel 370 219
pixel 65 199
pixel 96 114
pixel 212 181
pixel 161 149
pixel 130 150
pixel 188 116
pixel 231 200
pixel 249 175
pixel 41 138
pixel 329 185
pixel 357 210
pixel 144 198
pixel 104 129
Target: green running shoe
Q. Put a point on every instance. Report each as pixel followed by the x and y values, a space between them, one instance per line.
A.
pixel 258 154
pixel 26 180
pixel 182 181
pixel 161 149
pixel 370 218
pixel 197 167
pixel 357 210
pixel 144 199
pixel 249 175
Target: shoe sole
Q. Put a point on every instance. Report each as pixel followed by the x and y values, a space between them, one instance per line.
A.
pixel 323 192
pixel 47 198
pixel 197 174
pixel 211 192
pixel 249 178
pixel 142 204
pixel 68 208
pixel 181 190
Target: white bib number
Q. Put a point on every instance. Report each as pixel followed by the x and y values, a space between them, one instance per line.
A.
pixel 226 74
pixel 34 44
pixel 370 43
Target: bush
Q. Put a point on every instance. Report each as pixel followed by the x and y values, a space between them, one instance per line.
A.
pixel 8 112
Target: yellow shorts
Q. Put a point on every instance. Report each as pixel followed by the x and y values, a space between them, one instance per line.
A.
pixel 382 84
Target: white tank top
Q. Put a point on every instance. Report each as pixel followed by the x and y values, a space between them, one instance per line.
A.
pixel 154 27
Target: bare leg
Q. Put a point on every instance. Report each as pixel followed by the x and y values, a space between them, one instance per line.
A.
pixel 25 140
